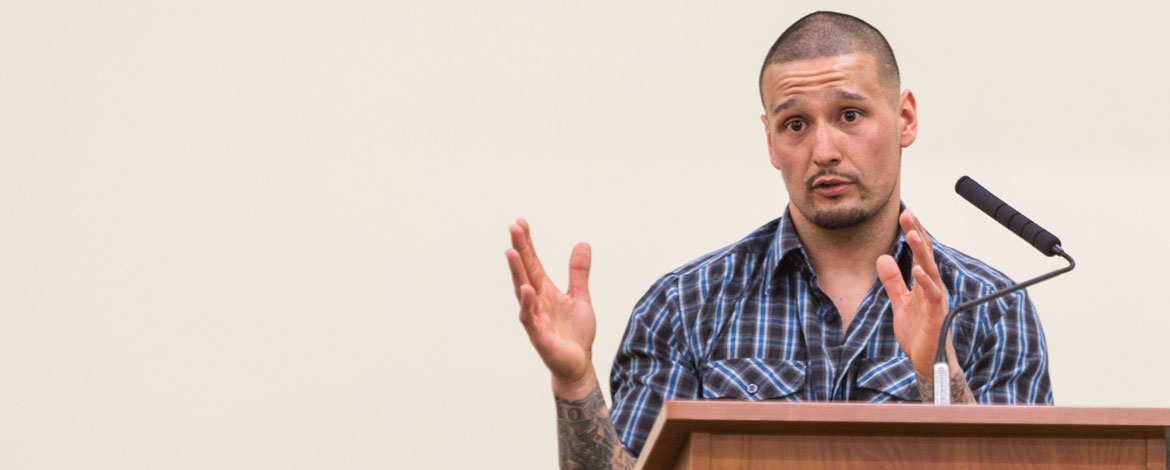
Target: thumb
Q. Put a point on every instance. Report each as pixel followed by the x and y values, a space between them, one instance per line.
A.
pixel 891 278
pixel 579 263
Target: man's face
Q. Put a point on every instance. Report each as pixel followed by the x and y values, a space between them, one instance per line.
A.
pixel 836 137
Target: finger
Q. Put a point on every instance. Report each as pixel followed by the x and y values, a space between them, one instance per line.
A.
pixel 931 288
pixel 535 268
pixel 519 277
pixel 919 242
pixel 891 278
pixel 926 239
pixel 522 242
pixel 924 255
pixel 579 263
pixel 529 309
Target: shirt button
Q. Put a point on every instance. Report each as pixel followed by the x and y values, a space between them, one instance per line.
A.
pixel 752 388
pixel 831 318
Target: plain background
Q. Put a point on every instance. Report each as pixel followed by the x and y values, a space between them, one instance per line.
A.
pixel 270 234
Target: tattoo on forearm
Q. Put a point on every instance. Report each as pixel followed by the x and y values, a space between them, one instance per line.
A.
pixel 925 387
pixel 585 436
pixel 960 392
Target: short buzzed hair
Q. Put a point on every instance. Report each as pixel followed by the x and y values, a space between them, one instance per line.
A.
pixel 826 34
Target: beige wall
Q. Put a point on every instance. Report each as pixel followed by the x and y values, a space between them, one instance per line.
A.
pixel 270 234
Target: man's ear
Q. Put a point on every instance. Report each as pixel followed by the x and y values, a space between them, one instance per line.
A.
pixel 768 135
pixel 907 118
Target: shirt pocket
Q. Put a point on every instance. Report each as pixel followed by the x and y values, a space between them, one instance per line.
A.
pixel 753 379
pixel 887 379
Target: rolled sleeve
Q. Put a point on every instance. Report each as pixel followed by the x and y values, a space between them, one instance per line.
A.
pixel 652 365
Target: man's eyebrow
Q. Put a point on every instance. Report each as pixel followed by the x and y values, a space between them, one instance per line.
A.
pixel 785 105
pixel 846 95
pixel 837 94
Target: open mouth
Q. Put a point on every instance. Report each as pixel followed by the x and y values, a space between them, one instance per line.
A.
pixel 831 186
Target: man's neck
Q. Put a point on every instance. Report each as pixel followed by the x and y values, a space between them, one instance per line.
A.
pixel 852 250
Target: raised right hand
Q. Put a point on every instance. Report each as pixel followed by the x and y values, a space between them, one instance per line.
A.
pixel 560 325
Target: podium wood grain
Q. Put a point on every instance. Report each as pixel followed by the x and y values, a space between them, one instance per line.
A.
pixel 743 435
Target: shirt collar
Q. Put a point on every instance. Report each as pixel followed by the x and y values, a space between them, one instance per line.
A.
pixel 786 245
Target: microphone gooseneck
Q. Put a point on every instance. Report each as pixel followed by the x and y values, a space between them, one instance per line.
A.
pixel 1044 241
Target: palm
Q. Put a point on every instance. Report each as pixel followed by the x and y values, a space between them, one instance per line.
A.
pixel 560 325
pixel 916 326
pixel 562 333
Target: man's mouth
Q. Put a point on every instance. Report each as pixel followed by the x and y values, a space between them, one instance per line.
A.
pixel 831 186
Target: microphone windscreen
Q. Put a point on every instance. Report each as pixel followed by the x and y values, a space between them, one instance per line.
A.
pixel 979 196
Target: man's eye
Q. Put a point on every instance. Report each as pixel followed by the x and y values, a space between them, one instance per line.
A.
pixel 794 126
pixel 850 116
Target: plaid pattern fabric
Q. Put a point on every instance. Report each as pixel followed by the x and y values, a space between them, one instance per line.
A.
pixel 749 322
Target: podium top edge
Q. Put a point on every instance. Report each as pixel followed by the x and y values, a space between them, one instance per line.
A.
pixel 724 410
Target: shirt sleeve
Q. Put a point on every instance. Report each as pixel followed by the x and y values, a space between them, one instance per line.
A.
pixel 1009 360
pixel 652 365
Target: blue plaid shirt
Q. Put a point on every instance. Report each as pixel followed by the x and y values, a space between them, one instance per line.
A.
pixel 749 322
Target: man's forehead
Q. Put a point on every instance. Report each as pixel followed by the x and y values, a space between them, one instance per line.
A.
pixel 846 76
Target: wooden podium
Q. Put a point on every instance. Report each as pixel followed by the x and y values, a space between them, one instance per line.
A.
pixel 772 435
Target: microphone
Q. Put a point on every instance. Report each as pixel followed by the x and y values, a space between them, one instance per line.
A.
pixel 993 206
pixel 1044 241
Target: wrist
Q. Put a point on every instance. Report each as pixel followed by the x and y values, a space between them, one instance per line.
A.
pixel 927 368
pixel 575 389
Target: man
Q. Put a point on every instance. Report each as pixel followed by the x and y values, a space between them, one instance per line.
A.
pixel 842 298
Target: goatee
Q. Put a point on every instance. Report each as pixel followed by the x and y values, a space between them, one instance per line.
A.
pixel 838 219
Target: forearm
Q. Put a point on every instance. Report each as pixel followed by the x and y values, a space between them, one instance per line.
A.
pixel 960 391
pixel 586 437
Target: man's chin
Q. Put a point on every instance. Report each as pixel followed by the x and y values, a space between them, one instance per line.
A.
pixel 839 218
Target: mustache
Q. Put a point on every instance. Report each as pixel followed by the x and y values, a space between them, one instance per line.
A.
pixel 848 176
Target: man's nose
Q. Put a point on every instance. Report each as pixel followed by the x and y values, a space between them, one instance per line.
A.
pixel 825 151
